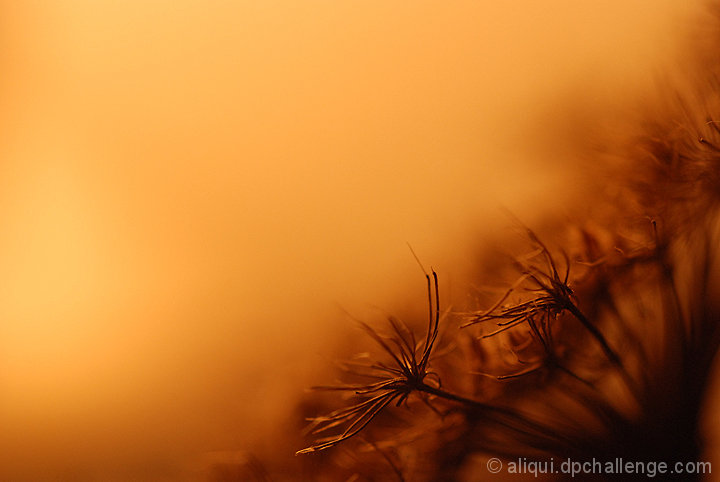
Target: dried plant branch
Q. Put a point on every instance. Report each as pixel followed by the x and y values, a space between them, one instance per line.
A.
pixel 552 296
pixel 408 373
pixel 395 383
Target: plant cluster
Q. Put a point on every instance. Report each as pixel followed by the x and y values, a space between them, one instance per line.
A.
pixel 602 347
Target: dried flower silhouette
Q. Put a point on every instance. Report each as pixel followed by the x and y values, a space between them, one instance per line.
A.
pixel 603 347
pixel 395 382
pixel 408 373
pixel 554 296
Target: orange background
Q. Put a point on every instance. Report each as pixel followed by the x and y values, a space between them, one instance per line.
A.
pixel 188 190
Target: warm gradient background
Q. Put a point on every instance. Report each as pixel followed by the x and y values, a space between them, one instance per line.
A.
pixel 190 190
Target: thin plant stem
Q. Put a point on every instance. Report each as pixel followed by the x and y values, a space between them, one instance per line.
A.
pixel 609 352
pixel 510 415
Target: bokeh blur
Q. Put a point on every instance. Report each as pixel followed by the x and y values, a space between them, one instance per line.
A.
pixel 191 193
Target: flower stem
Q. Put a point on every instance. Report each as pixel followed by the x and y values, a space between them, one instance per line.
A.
pixel 609 352
pixel 507 417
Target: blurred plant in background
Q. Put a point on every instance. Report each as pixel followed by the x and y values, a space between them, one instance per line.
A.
pixel 599 344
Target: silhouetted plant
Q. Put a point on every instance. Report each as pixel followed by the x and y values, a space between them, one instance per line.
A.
pixel 607 353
